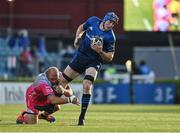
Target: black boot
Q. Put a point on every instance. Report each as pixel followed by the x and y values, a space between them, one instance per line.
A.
pixel 81 121
pixel 84 106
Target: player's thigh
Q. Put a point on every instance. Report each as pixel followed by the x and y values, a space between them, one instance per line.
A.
pixel 92 72
pixel 31 119
pixel 70 72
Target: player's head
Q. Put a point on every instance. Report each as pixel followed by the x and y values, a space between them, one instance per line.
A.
pixel 52 74
pixel 111 16
pixel 109 20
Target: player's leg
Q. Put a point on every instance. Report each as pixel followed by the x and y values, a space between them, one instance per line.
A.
pixel 46 115
pixel 68 75
pixel 30 118
pixel 90 76
pixel 27 117
pixel 74 69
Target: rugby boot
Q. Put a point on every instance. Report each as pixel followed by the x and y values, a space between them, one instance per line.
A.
pixel 81 121
pixel 48 118
pixel 20 118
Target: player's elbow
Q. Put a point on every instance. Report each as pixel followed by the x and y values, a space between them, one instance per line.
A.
pixel 109 58
pixel 52 99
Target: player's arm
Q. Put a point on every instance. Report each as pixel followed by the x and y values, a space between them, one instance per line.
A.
pixel 68 91
pixel 107 56
pixel 58 100
pixel 49 93
pixel 65 91
pixel 79 33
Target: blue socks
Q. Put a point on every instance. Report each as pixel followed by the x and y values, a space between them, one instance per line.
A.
pixel 84 105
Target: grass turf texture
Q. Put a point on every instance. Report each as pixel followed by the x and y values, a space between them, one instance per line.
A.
pixel 100 118
pixel 134 15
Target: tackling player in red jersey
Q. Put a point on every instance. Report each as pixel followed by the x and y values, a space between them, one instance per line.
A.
pixel 44 94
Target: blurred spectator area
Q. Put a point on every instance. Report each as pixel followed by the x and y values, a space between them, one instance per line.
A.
pixel 160 59
pixel 5 55
pixel 29 60
pixel 58 52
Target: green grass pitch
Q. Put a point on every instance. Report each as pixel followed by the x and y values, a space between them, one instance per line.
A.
pixel 100 118
pixel 134 15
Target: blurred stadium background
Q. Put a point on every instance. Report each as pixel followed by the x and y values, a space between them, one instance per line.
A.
pixel 36 34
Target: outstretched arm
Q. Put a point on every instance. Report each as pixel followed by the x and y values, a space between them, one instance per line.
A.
pixel 107 56
pixel 65 91
pixel 58 100
pixel 79 33
pixel 68 91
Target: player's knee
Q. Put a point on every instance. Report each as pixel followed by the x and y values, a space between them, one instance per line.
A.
pixel 88 81
pixel 89 78
pixel 66 78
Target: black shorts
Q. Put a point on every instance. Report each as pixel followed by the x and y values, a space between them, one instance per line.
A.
pixel 81 62
pixel 49 108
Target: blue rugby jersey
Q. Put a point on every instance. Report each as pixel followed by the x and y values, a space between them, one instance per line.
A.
pixel 92 29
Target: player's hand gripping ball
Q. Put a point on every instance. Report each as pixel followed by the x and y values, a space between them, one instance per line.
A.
pixel 97 41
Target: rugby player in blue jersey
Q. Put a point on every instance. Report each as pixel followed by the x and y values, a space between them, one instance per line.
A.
pixel 95 41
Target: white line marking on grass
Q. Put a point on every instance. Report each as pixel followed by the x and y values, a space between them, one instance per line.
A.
pixel 147 24
pixel 136 3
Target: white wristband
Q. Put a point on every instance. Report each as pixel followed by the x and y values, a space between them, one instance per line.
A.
pixel 70 99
